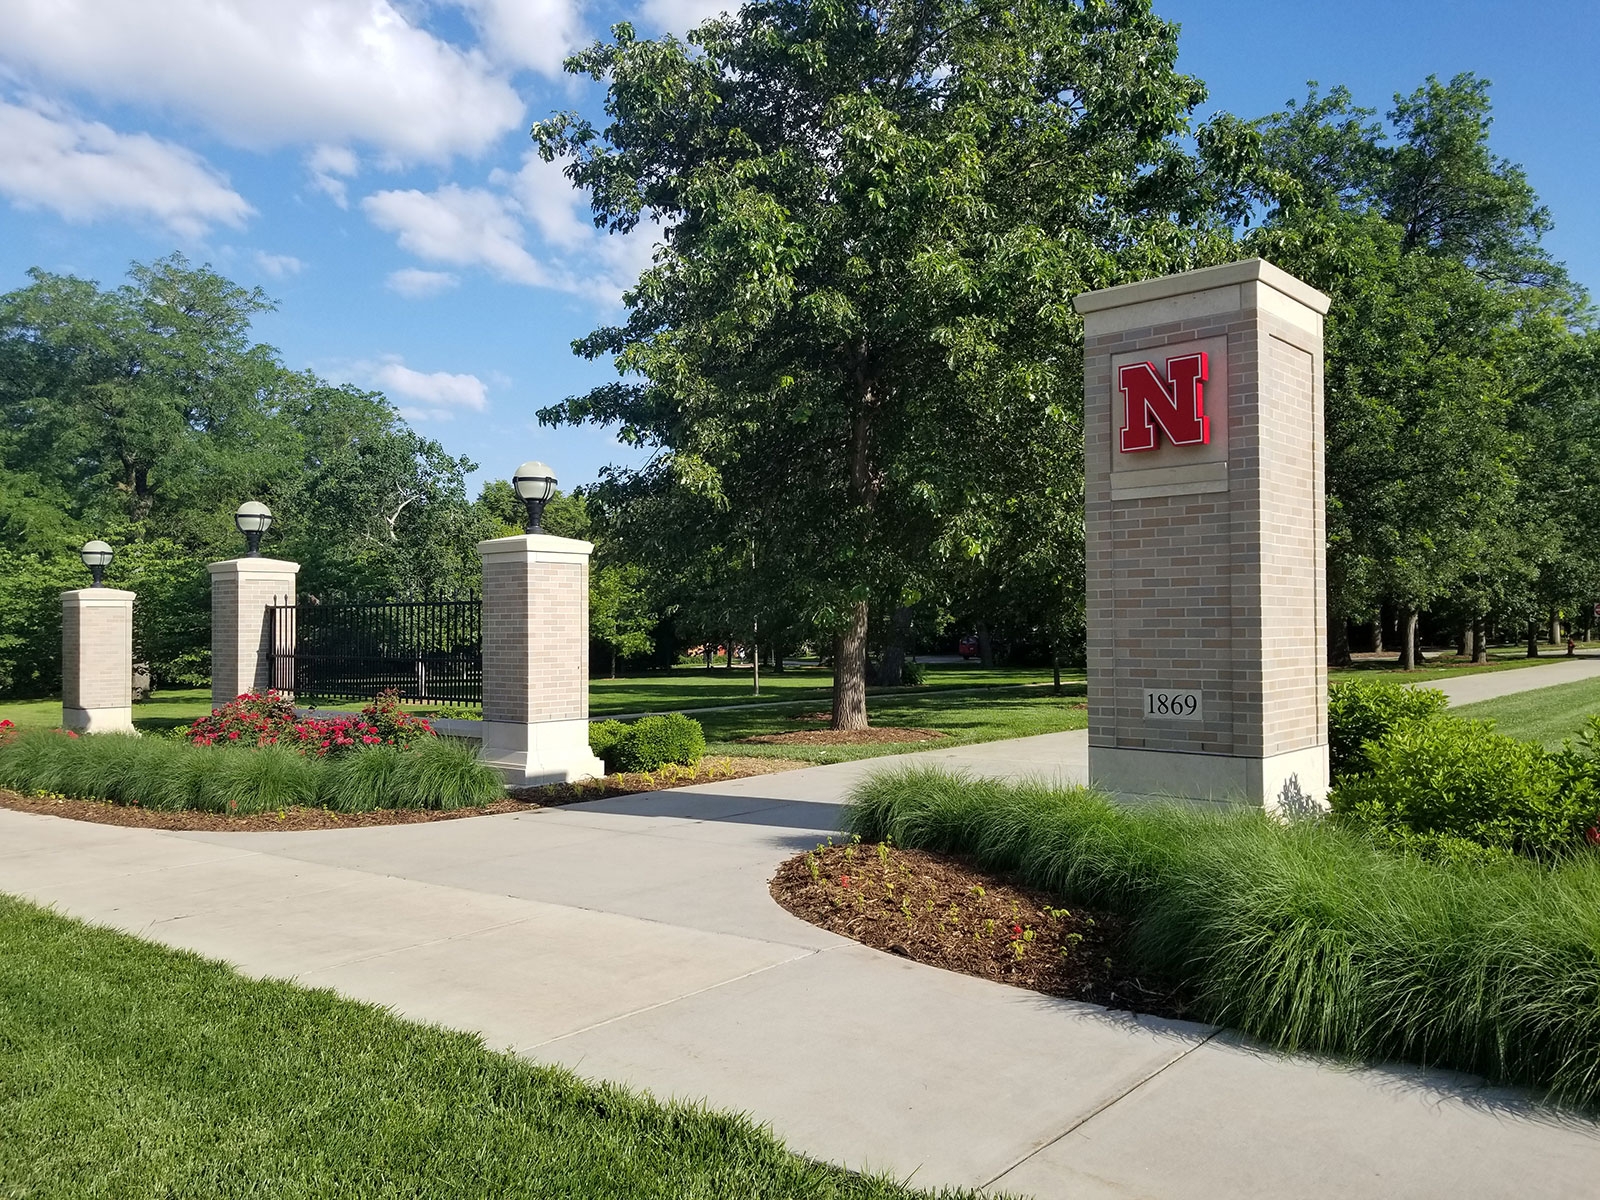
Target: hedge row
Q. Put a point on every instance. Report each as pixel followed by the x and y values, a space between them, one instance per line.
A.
pixel 164 773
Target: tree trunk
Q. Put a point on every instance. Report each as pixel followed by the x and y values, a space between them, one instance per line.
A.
pixel 1464 640
pixel 1555 628
pixel 985 646
pixel 891 671
pixel 1055 669
pixel 1338 642
pixel 1533 637
pixel 709 651
pixel 850 671
pixel 613 662
pixel 1480 643
pixel 1375 635
pixel 755 656
pixel 1408 639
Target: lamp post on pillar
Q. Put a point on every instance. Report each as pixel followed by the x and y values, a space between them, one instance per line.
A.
pixel 242 590
pixel 97 651
pixel 536 647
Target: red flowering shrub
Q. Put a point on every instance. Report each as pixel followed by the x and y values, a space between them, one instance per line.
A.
pixel 268 719
pixel 7 730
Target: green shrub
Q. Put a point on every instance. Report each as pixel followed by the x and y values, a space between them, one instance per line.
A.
pixel 604 737
pixel 913 673
pixel 1362 711
pixel 1441 786
pixel 1304 935
pixel 653 742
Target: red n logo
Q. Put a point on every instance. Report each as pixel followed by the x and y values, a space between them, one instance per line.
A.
pixel 1177 404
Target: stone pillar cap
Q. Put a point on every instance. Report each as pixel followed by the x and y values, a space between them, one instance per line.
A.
pixel 241 566
pixel 91 595
pixel 1245 271
pixel 534 543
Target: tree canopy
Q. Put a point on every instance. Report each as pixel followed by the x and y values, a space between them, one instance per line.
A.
pixel 873 219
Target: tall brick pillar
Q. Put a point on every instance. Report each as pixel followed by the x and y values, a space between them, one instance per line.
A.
pixel 536 659
pixel 242 589
pixel 97 660
pixel 1205 537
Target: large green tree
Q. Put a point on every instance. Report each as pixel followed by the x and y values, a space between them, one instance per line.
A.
pixel 873 219
pixel 1429 244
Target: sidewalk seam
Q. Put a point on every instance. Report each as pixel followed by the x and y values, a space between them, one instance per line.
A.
pixel 1092 1114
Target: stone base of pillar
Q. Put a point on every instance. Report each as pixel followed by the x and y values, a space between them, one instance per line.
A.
pixel 1294 783
pixel 98 720
pixel 541 752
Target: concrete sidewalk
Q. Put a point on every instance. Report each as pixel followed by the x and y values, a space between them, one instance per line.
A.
pixel 633 940
pixel 1469 689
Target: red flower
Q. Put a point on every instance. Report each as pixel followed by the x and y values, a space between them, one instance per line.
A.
pixel 1593 834
pixel 1016 932
pixel 844 881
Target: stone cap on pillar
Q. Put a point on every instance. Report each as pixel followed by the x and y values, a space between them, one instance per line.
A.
pixel 534 545
pixel 251 566
pixel 1171 296
pixel 90 596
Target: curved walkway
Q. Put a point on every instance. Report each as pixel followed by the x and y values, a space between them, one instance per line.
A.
pixel 633 939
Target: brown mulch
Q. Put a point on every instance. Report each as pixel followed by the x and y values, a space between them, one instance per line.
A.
pixel 943 912
pixel 297 818
pixel 844 737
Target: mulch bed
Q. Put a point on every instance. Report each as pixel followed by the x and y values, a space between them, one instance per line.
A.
pixel 843 737
pixel 944 912
pixel 297 818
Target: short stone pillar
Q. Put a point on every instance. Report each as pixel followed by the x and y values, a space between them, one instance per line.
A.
pixel 1206 569
pixel 242 590
pixel 97 660
pixel 536 659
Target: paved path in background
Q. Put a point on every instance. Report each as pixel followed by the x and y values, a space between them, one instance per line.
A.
pixel 1469 689
pixel 633 940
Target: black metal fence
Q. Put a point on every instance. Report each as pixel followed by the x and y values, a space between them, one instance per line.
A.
pixel 425 650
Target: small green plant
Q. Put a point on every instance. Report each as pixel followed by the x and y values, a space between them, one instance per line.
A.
pixel 1362 711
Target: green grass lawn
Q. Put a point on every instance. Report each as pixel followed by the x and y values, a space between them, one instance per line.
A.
pixel 695 687
pixel 965 718
pixel 164 710
pixel 127 1069
pixel 1447 666
pixel 1547 715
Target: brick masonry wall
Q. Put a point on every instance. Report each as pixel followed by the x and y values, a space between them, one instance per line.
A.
pixel 240 632
pixel 535 639
pixel 1224 591
pixel 97 654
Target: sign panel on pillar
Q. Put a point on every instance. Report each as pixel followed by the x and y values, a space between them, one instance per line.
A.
pixel 1206 579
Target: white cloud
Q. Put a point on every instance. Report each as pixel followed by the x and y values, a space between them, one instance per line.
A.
pixel 484 227
pixel 279 266
pixel 415 284
pixel 528 33
pixel 679 16
pixel 546 197
pixel 434 395
pixel 466 227
pixel 268 74
pixel 84 170
pixel 327 164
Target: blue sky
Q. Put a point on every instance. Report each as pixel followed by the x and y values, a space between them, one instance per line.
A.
pixel 367 163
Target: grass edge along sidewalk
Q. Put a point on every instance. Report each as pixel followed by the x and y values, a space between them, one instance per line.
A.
pixel 130 1069
pixel 1303 935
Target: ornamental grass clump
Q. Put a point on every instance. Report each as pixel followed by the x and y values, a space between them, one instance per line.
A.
pixel 1306 935
pixel 172 775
